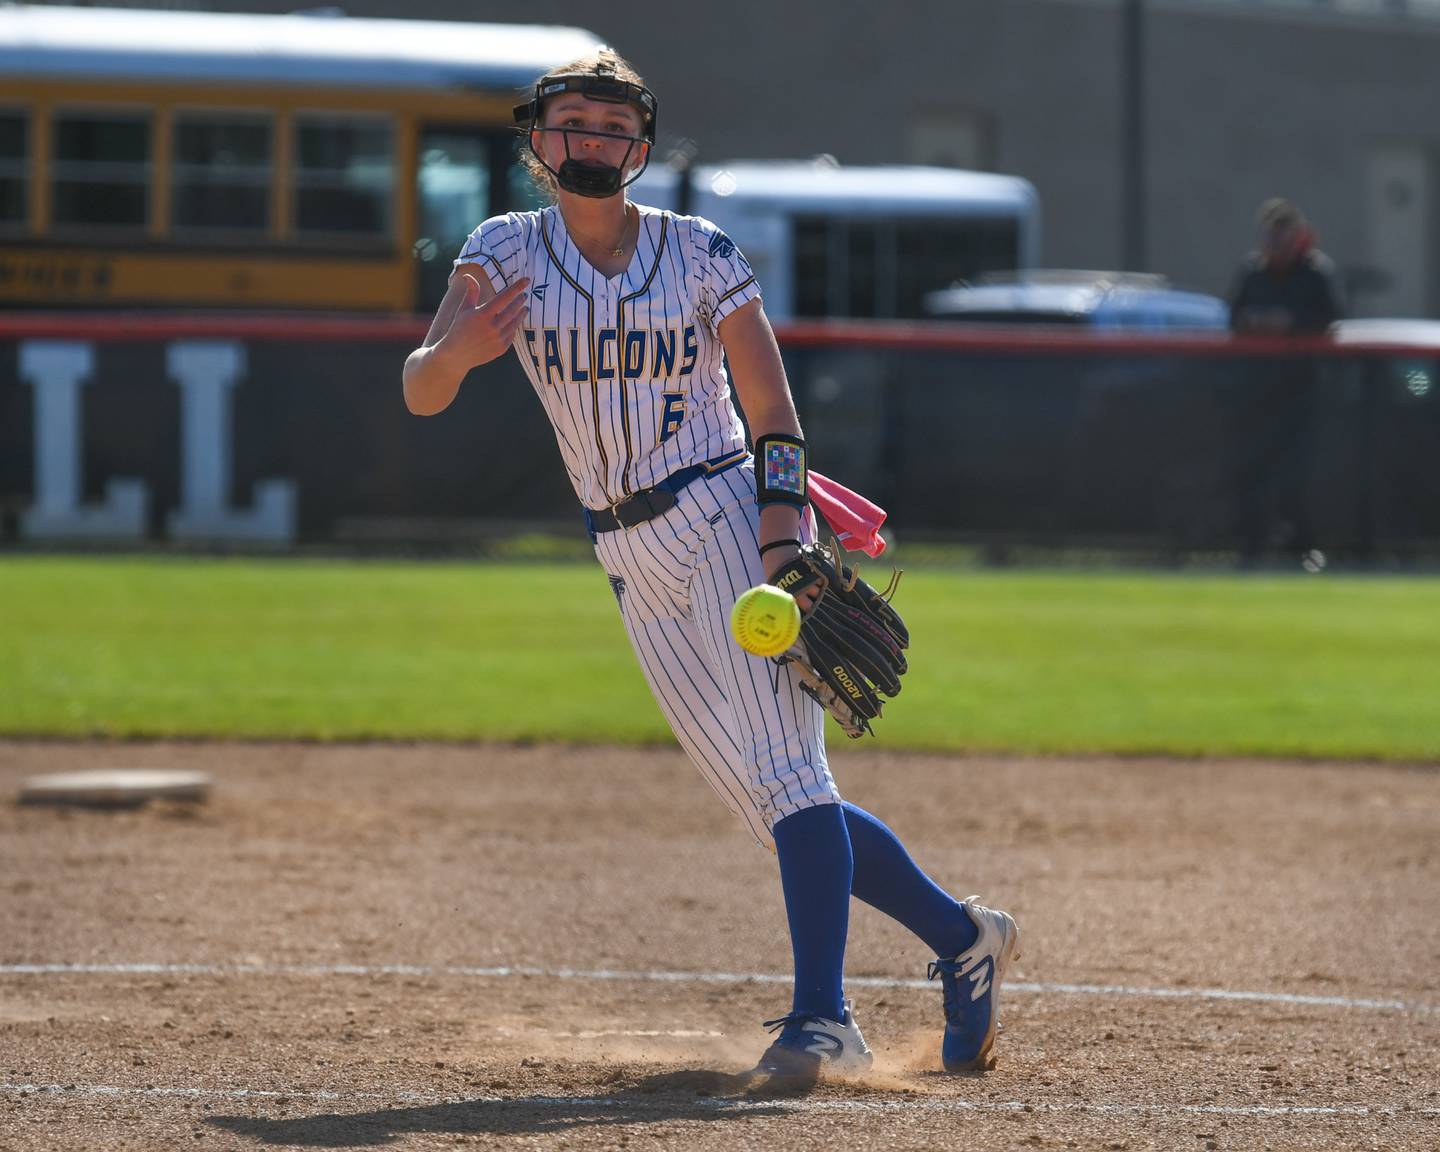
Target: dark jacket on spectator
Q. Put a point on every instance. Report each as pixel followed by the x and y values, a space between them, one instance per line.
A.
pixel 1301 298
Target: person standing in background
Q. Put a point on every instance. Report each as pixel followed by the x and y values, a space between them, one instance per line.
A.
pixel 1286 288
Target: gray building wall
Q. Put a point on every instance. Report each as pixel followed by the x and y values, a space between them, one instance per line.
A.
pixel 1246 107
pixel 1242 104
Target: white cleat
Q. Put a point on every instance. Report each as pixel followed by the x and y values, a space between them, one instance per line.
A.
pixel 972 990
pixel 810 1048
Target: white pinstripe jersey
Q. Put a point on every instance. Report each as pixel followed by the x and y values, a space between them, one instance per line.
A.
pixel 629 369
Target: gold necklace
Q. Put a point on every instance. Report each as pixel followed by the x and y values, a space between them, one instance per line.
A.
pixel 619 249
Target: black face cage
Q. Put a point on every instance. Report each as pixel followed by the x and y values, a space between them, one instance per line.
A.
pixel 602 85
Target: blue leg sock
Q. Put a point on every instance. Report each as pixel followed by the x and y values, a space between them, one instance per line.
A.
pixel 815 873
pixel 887 879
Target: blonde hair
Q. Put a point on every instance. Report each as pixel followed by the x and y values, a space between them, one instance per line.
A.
pixel 614 65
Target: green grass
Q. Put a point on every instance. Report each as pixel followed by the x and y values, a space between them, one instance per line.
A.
pixel 1306 666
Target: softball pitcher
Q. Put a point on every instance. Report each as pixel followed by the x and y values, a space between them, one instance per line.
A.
pixel 623 318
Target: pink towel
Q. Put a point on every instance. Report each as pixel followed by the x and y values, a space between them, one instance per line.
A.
pixel 855 521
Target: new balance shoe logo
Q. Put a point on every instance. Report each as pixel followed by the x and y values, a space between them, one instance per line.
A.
pixel 980 977
pixel 539 291
pixel 823 1045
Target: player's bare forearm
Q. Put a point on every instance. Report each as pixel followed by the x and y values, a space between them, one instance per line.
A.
pixel 757 371
pixel 472 326
pixel 431 381
pixel 758 374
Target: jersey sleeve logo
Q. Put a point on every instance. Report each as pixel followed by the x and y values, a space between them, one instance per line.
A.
pixel 539 291
pixel 721 246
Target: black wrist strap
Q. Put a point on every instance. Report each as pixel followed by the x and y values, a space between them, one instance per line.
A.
pixel 778 544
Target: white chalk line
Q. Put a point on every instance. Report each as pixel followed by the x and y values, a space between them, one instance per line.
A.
pixel 909 1104
pixel 664 977
pixel 647 1033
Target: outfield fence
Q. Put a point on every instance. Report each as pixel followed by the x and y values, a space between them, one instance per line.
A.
pixel 285 431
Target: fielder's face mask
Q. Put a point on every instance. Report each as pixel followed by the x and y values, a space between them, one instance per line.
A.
pixel 587 179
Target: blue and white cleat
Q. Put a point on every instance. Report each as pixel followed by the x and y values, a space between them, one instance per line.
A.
pixel 810 1048
pixel 972 990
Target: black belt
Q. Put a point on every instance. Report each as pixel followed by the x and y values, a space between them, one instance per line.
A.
pixel 651 502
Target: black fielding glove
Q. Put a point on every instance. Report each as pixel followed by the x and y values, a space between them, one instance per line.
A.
pixel 851 650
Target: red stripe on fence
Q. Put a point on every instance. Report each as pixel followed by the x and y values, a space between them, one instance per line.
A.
pixel 105 327
pixel 109 327
pixel 1065 341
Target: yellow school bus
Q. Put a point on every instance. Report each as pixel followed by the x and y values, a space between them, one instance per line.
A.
pixel 203 160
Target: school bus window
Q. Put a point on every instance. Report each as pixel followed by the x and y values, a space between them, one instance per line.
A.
pixel 221 172
pixel 864 239
pixel 453 190
pixel 812 267
pixel 453 179
pixel 344 177
pixel 933 254
pixel 14 168
pixel 101 171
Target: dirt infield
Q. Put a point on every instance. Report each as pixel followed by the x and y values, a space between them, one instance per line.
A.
pixel 422 947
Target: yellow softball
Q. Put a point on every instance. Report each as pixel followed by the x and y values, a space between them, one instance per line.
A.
pixel 765 620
